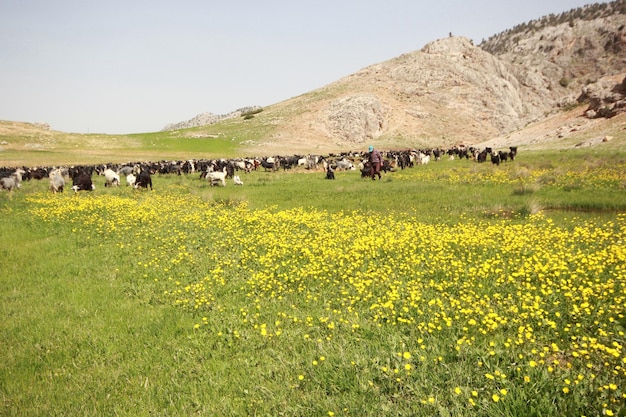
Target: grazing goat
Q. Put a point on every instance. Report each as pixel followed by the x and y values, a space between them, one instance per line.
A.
pixel 111 178
pixel 366 168
pixel 216 177
pixel 82 181
pixel 125 170
pixel 495 158
pixel 9 183
pixel 422 158
pixel 131 180
pixel 344 164
pixel 237 180
pixel 57 182
pixel 330 174
pixel 13 181
pixel 482 156
pixel 245 166
pixel 269 164
pixel 144 180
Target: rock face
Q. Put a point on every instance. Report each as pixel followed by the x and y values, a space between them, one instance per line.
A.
pixel 356 118
pixel 454 74
pixel 606 98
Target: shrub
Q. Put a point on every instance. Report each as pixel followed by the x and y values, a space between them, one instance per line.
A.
pixel 250 113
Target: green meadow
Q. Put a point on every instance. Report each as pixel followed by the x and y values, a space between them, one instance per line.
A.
pixel 31 145
pixel 451 289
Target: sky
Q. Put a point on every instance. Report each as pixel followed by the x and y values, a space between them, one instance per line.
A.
pixel 133 66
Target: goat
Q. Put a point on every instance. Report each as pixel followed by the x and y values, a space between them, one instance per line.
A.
pixel 9 183
pixel 125 170
pixel 82 181
pixel 330 174
pixel 422 158
pixel 216 177
pixel 131 180
pixel 57 182
pixel 13 181
pixel 111 178
pixel 144 179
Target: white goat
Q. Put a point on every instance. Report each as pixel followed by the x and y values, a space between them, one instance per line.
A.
pixel 237 180
pixel 345 164
pixel 57 182
pixel 131 179
pixel 216 177
pixel 423 159
pixel 111 178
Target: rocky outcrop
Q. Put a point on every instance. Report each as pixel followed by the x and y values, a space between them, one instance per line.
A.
pixel 606 98
pixel 357 118
pixel 205 119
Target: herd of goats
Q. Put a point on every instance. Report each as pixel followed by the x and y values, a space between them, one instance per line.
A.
pixel 216 171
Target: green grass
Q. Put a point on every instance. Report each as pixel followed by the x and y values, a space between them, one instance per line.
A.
pixel 446 190
pixel 70 322
pixel 91 325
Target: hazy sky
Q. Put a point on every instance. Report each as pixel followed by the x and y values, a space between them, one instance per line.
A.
pixel 128 66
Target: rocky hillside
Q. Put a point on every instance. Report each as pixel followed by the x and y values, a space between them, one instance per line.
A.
pixel 566 54
pixel 452 91
pixel 204 119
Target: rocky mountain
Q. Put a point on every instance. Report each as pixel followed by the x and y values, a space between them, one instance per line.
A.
pixel 452 91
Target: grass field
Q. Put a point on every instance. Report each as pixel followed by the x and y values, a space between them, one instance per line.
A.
pixel 449 289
